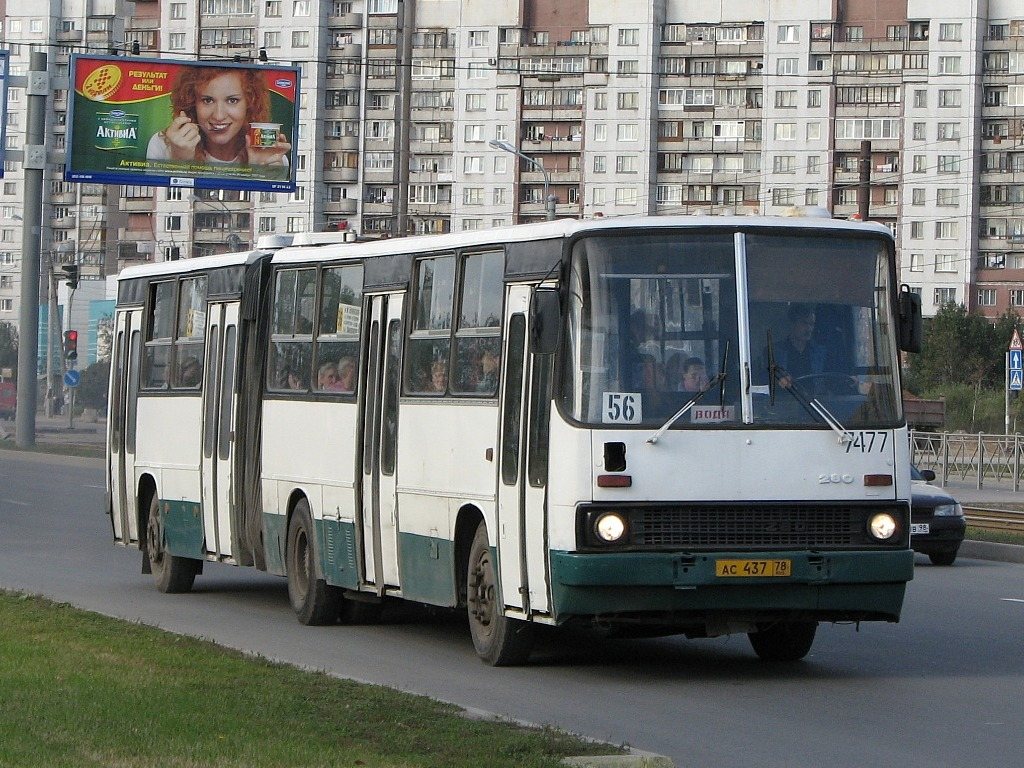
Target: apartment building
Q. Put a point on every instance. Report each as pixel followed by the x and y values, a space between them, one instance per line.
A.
pixel 910 111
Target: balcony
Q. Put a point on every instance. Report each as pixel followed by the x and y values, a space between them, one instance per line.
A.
pixel 344 175
pixel 65 222
pixel 345 207
pixel 347 142
pixel 342 111
pixel 346 51
pixel 345 20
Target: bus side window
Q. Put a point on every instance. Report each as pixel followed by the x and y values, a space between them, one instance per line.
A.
pixel 340 318
pixel 291 341
pixel 159 335
pixel 426 370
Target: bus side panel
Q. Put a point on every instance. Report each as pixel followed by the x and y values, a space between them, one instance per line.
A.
pixel 434 484
pixel 309 446
pixel 168 448
pixel 570 480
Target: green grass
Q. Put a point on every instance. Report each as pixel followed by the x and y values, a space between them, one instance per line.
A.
pixel 79 689
pixel 1001 537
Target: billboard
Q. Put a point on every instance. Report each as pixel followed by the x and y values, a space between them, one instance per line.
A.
pixel 176 123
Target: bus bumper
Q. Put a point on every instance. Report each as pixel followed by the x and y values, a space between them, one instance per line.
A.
pixel 678 587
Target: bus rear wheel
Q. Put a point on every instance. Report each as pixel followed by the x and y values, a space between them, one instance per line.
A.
pixel 173 574
pixel 315 601
pixel 499 640
pixel 783 640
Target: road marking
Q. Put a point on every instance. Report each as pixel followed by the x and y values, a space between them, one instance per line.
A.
pixel 101 487
pixel 15 503
pixel 1012 599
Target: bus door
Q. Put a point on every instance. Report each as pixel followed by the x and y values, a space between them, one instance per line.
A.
pixel 219 403
pixel 123 421
pixel 522 462
pixel 379 505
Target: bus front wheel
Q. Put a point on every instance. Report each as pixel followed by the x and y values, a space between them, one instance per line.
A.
pixel 173 574
pixel 783 640
pixel 315 601
pixel 499 640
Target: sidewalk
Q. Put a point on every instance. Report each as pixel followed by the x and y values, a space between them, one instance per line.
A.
pixel 55 431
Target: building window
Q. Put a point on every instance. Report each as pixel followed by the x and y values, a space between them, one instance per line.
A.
pixel 920 131
pixel 949 131
pixel 917 196
pixel 945 261
pixel 627 132
pixel 629 36
pixel 947 197
pixel 787 66
pixel 949 97
pixel 946 230
pixel 949 65
pixel 785 131
pixel 626 196
pixel 628 68
pixel 986 297
pixel 952 32
pixel 920 98
pixel 625 164
pixel 945 296
pixel 785 99
pixel 814 98
pixel 917 262
pixel 789 33
pixel 1016 297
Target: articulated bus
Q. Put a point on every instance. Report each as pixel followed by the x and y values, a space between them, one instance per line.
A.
pixel 674 425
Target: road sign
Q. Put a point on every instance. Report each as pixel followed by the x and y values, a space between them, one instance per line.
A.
pixel 1015 342
pixel 1015 360
pixel 73 378
pixel 1016 380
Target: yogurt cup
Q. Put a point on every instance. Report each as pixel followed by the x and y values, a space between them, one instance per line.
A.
pixel 263 134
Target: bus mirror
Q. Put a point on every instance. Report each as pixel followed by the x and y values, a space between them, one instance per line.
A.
pixel 546 321
pixel 910 320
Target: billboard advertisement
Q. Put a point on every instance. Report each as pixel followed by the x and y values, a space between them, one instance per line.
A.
pixel 176 123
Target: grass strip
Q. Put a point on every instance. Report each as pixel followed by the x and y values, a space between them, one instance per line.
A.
pixel 1000 537
pixel 80 689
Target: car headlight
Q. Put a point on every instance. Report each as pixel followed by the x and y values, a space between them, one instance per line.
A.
pixel 610 527
pixel 882 526
pixel 949 510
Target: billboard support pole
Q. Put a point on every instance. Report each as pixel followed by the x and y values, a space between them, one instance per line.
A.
pixel 34 164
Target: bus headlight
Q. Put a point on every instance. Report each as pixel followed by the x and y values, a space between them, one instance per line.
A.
pixel 882 526
pixel 610 527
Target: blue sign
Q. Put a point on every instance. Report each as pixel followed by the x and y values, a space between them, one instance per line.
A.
pixel 1015 360
pixel 1016 382
pixel 72 378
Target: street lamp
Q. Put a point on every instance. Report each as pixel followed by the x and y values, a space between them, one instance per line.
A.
pixel 549 199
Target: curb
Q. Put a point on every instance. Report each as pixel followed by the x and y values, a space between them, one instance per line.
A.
pixel 634 760
pixel 991 550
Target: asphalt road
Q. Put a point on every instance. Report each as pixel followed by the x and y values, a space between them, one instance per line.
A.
pixel 945 687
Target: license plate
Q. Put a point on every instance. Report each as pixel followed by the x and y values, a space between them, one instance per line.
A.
pixel 747 568
pixel 916 528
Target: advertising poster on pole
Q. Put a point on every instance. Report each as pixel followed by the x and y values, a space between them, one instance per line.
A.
pixel 176 123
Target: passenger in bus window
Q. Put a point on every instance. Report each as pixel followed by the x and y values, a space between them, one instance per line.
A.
pixel 689 375
pixel 293 379
pixel 438 376
pixel 347 374
pixel 327 378
pixel 488 377
pixel 190 372
pixel 644 353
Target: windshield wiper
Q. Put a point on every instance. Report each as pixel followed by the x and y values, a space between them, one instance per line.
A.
pixel 813 406
pixel 719 380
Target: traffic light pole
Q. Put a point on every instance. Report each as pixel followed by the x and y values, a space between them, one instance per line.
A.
pixel 68 363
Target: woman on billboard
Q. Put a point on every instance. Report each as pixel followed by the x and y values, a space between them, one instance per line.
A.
pixel 219 116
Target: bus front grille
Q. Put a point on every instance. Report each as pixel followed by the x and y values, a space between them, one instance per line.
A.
pixel 717 527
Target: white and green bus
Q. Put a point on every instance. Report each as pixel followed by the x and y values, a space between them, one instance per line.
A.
pixel 507 422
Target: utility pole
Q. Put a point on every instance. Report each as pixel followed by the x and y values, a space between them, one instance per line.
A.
pixel 864 181
pixel 34 163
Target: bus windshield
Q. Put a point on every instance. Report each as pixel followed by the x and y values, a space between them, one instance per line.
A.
pixel 659 321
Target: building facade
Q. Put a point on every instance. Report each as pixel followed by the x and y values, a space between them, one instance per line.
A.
pixel 905 111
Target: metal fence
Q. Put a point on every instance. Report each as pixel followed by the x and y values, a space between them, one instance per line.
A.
pixel 959 456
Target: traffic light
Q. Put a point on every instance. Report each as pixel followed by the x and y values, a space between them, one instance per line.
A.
pixel 71 272
pixel 70 345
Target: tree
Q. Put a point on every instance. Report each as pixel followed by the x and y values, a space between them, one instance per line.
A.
pixel 8 346
pixel 958 348
pixel 92 389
